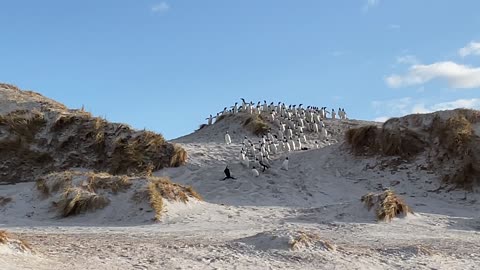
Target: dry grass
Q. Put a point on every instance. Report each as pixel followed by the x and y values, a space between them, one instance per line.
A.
pixel 363 139
pixel 305 240
pixel 155 199
pixel 179 156
pixel 4 201
pixel 24 125
pixel 22 245
pixel 76 201
pixel 387 205
pixel 371 140
pixel 104 181
pixel 257 125
pixel 54 182
pixel 160 188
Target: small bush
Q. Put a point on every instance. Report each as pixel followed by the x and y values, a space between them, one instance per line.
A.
pixel 54 182
pixel 77 201
pixel 305 240
pixel 387 205
pixel 103 181
pixel 179 157
pixel 257 125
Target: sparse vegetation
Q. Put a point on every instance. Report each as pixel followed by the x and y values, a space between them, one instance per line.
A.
pixel 4 201
pixel 77 201
pixel 371 140
pixel 20 244
pixel 179 156
pixel 256 124
pixel 306 240
pixel 104 181
pixel 387 205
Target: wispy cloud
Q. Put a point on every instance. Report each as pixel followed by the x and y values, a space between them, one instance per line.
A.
pixel 160 7
pixel 339 53
pixel 386 109
pixel 370 4
pixel 393 26
pixel 408 59
pixel 473 48
pixel 457 76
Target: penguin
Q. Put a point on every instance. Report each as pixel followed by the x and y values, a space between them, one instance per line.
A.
pixel 285 164
pixel 333 114
pixel 210 120
pixel 228 140
pixel 246 162
pixel 255 172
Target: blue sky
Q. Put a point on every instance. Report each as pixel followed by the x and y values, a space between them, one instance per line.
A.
pixel 167 65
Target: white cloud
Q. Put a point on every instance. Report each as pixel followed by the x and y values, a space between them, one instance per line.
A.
pixel 457 75
pixel 404 106
pixel 408 59
pixel 381 119
pixel 369 4
pixel 161 8
pixel 473 103
pixel 473 48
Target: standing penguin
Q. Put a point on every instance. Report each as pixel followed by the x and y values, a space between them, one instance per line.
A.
pixel 210 120
pixel 228 140
pixel 285 164
pixel 333 114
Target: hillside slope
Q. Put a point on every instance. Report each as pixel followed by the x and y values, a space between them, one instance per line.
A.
pixel 39 135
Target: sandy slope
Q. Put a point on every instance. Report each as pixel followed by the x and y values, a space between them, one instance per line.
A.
pixel 247 223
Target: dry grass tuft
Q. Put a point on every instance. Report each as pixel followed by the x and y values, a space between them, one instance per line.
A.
pixel 104 181
pixel 22 245
pixel 160 188
pixel 306 240
pixel 54 182
pixel 362 139
pixel 25 125
pixel 387 205
pixel 179 156
pixel 371 140
pixel 156 199
pixel 77 201
pixel 257 125
pixel 4 201
pixel 3 237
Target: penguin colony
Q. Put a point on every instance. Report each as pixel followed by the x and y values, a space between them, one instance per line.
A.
pixel 292 121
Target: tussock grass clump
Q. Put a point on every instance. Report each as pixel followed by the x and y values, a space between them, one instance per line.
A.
pixel 387 205
pixel 371 140
pixel 160 188
pixel 16 243
pixel 155 199
pixel 306 240
pixel 4 201
pixel 77 201
pixel 104 181
pixel 24 125
pixel 55 182
pixel 179 156
pixel 257 125
pixel 362 139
